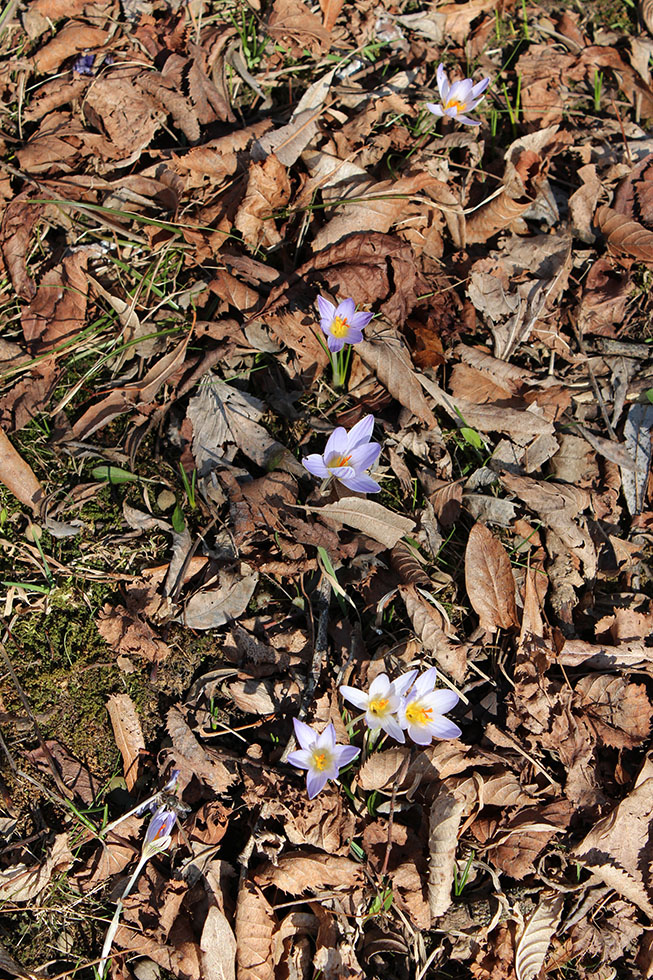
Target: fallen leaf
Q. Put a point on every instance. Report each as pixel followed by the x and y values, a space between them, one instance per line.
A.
pixel 268 188
pixel 534 942
pixel 624 236
pixel 18 476
pixel 445 817
pixel 218 945
pixel 255 924
pixel 637 437
pixel 214 607
pixel 489 580
pixel 20 883
pixel 69 41
pixel 428 624
pixel 128 735
pixel 369 517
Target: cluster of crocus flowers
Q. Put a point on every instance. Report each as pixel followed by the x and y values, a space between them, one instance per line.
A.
pixel 346 456
pixel 410 704
pixel 319 755
pixel 458 98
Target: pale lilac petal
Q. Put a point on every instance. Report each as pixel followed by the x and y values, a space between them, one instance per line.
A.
pixel 444 728
pixel 335 343
pixel 327 310
pixel 361 484
pixel 336 443
pixel 327 740
pixel 443 82
pixel 315 465
pixel 425 683
pixel 304 734
pixel 354 336
pixel 461 90
pixel 359 321
pixel 442 700
pixel 345 754
pixel 379 686
pixel 373 721
pixel 394 730
pixel 360 433
pixel 420 736
pixel 342 472
pixel 467 121
pixel 364 456
pixel 352 694
pixel 346 309
pixel 435 109
pixel 480 87
pixel 302 758
pixel 315 783
pixel 403 683
pixel 452 112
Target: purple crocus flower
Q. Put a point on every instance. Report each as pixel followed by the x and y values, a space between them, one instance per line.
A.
pixel 84 64
pixel 422 711
pixel 159 832
pixel 458 98
pixel 341 324
pixel 320 756
pixel 346 456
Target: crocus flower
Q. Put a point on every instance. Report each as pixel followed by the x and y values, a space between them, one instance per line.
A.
pixel 422 711
pixel 341 324
pixel 458 98
pixel 346 456
pixel 320 756
pixel 381 702
pixel 84 64
pixel 159 832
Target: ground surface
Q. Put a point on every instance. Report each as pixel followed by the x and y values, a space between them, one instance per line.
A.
pixel 179 183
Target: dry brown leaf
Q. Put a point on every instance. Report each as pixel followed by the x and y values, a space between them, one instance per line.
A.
pixel 193 759
pixel 18 476
pixel 214 607
pixel 58 310
pixel 112 856
pixel 428 624
pixel 129 116
pixel 444 821
pixel 70 40
pixel 218 945
pixel 303 872
pixel 268 188
pixel 382 768
pixel 489 580
pixel 255 926
pixel 293 24
pixel 264 697
pixel 534 942
pixel 330 12
pixel 624 235
pixel 129 634
pixel 19 883
pixel 646 13
pixel 18 221
pixel 235 292
pixel 618 847
pixel 384 351
pixel 369 517
pixel 620 712
pixel 128 735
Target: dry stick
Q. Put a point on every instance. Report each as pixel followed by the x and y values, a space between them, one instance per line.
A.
pixel 319 650
pixel 599 397
pixel 401 775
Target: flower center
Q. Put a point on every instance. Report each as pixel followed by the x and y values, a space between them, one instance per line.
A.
pixel 340 327
pixel 378 706
pixel 455 104
pixel 338 461
pixel 417 714
pixel 320 761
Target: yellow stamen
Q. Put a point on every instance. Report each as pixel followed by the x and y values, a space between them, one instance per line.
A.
pixel 319 761
pixel 340 327
pixel 417 714
pixel 378 706
pixel 455 104
pixel 339 461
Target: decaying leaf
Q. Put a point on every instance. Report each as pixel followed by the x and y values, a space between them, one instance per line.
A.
pixel 18 476
pixel 534 941
pixel 128 734
pixel 214 607
pixel 489 580
pixel 369 517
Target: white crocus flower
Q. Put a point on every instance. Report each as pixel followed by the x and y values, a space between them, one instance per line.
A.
pixel 381 702
pixel 422 711
pixel 320 756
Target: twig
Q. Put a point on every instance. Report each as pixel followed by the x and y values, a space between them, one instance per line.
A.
pixel 595 387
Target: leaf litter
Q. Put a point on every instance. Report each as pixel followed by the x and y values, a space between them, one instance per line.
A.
pixel 179 185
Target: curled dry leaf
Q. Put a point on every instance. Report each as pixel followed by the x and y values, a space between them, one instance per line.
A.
pixel 70 40
pixel 214 607
pixel 646 13
pixel 18 476
pixel 218 946
pixel 268 188
pixel 22 884
pixel 429 626
pixel 382 768
pixel 303 872
pixel 624 235
pixel 489 580
pixel 536 937
pixel 444 821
